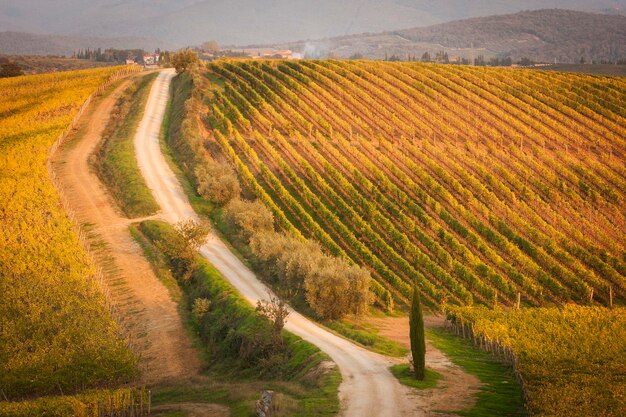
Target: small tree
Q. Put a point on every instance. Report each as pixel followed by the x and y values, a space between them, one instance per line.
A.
pixel 10 69
pixel 182 246
pixel 210 47
pixel 184 60
pixel 194 234
pixel 276 311
pixel 418 343
pixel 217 182
pixel 249 218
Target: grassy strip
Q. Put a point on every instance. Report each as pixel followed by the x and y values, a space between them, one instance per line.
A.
pixel 115 160
pixel 500 394
pixel 405 375
pixel 366 337
pixel 234 342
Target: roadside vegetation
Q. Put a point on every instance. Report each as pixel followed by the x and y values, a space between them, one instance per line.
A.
pixel 241 346
pixel 115 161
pixel 56 331
pixel 406 376
pixel 500 394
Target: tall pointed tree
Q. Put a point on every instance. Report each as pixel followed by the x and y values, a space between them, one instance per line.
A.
pixel 418 342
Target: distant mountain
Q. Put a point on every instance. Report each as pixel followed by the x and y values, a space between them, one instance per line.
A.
pixel 542 35
pixel 19 43
pixel 185 22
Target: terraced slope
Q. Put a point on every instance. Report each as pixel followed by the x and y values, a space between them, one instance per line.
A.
pixel 475 183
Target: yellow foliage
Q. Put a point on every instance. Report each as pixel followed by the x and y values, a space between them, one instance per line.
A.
pixel 572 359
pixel 55 330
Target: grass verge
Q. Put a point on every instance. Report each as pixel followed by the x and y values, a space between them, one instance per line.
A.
pixel 405 375
pixel 115 161
pixel 236 347
pixel 500 394
pixel 366 337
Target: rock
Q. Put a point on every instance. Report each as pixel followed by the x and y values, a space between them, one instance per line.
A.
pixel 263 405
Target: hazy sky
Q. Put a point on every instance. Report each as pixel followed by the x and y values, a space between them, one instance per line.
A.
pixel 254 21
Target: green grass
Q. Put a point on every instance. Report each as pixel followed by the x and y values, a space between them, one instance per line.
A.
pixel 115 160
pixel 405 375
pixel 366 336
pixel 500 394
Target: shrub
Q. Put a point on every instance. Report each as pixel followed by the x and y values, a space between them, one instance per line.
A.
pixel 184 60
pixel 249 218
pixel 217 182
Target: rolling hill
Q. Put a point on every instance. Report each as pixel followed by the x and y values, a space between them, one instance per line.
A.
pixel 242 22
pixel 56 328
pixel 21 43
pixel 542 35
pixel 474 183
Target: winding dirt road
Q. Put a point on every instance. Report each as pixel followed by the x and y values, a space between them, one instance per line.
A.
pixel 149 314
pixel 368 388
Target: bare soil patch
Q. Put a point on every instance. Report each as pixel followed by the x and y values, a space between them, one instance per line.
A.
pixel 456 389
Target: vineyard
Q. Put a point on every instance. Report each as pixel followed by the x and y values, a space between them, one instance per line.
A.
pixel 56 333
pixel 571 360
pixel 477 184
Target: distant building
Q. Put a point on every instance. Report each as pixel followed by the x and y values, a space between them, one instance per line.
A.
pixel 150 59
pixel 130 61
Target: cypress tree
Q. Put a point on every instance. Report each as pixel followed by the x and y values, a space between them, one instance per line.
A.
pixel 418 342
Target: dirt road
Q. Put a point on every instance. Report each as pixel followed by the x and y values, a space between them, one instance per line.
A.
pixel 150 315
pixel 368 388
pixel 457 389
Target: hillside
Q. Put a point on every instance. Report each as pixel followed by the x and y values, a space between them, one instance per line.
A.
pixel 20 43
pixel 39 64
pixel 56 329
pixel 542 35
pixel 475 183
pixel 186 22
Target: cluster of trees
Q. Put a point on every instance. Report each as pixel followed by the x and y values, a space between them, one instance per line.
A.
pixel 110 55
pixel 331 286
pixel 9 69
pixel 121 55
pixel 442 57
